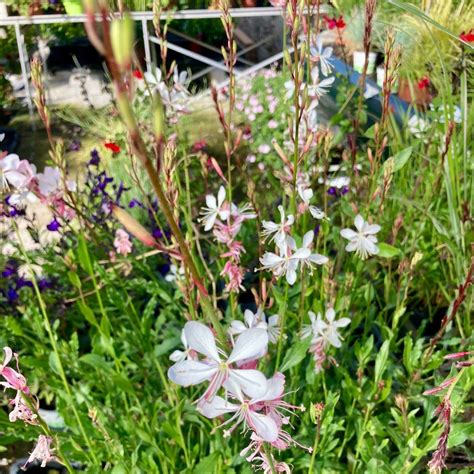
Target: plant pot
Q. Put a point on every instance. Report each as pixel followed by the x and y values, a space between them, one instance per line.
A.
pixel 249 3
pixel 381 78
pixel 73 7
pixel 359 60
pixel 411 93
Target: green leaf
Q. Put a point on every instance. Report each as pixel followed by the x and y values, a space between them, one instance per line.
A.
pixel 54 362
pixel 381 362
pixel 387 250
pixel 83 255
pixel 87 313
pixel 207 464
pixel 96 361
pixel 401 159
pixel 460 433
pixel 74 279
pixel 295 354
pixel 407 350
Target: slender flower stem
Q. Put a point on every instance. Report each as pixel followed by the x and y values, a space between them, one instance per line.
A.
pixel 268 453
pixel 60 366
pixel 315 445
pixel 282 327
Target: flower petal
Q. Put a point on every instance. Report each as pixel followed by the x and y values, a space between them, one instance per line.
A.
pixel 190 372
pixel 341 323
pixel 250 344
pixel 201 339
pixel 348 234
pixel 263 425
pixel 217 407
pixel 308 238
pixel 252 382
pixel 359 222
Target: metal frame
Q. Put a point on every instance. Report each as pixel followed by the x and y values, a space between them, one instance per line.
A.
pixel 144 18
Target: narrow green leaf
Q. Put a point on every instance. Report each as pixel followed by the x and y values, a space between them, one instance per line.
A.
pixel 401 159
pixel 381 362
pixel 87 313
pixel 387 250
pixel 295 354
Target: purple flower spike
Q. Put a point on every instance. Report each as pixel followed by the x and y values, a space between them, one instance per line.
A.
pixel 95 158
pixel 8 271
pixel 54 225
pixel 332 191
pixel 75 145
pixel 12 295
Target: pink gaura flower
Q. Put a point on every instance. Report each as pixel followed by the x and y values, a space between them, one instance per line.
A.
pixel 272 124
pixel 21 411
pixel 42 452
pixel 260 459
pixel 15 172
pixel 13 377
pixel 122 242
pixel 217 368
pixel 263 425
pixel 264 148
pixel 236 249
pixel 235 273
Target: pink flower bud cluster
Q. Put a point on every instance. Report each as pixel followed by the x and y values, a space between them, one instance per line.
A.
pixel 25 406
pixel 225 219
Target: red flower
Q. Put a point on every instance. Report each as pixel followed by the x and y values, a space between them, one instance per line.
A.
pixel 423 83
pixel 467 37
pixel 113 147
pixel 334 22
pixel 137 74
pixel 199 145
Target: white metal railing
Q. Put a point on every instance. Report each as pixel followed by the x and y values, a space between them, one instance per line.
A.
pixel 144 18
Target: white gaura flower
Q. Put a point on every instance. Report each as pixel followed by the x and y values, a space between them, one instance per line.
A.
pixel 218 368
pixel 278 232
pixel 187 354
pixel 291 256
pixel 257 320
pixel 322 55
pixel 285 264
pixel 10 172
pixel 338 182
pixel 363 241
pixel 319 87
pixel 306 194
pixel 50 181
pixel 251 320
pixel 30 271
pixel 290 89
pixel 327 331
pixel 216 208
pixel 309 259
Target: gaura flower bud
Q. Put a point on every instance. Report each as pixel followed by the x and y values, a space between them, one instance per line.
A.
pixel 89 6
pixel 122 35
pixel 158 117
pixel 133 226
